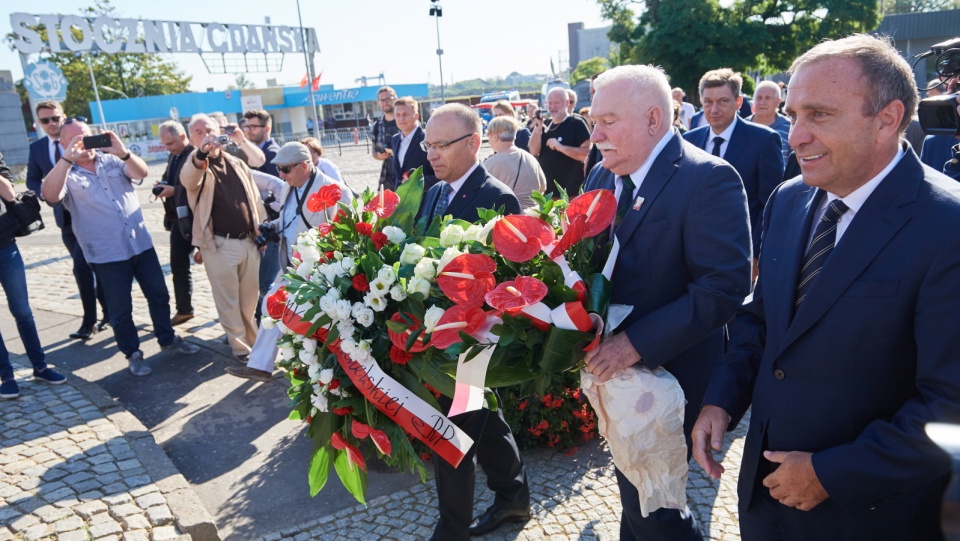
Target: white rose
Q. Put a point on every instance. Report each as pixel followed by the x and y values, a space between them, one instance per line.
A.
pixel 309 253
pixel 431 318
pixel 345 328
pixel 287 353
pixel 329 306
pixel 309 345
pixel 337 255
pixel 419 285
pixel 308 358
pixel 378 287
pixel 472 233
pixel 319 401
pixel 314 372
pixel 394 234
pixel 348 268
pixel 411 254
pixel 451 235
pixel 356 308
pixel 377 302
pixel 326 375
pixel 365 317
pixel 398 293
pixel 387 275
pixel 268 322
pixel 343 309
pixel 304 269
pixel 426 268
pixel 448 255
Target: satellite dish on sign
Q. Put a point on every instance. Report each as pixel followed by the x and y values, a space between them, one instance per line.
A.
pixel 174 113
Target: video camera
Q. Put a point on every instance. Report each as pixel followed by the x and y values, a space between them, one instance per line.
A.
pixel 938 115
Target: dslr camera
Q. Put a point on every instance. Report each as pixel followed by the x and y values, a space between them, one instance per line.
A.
pixel 268 233
pixel 157 188
pixel 938 115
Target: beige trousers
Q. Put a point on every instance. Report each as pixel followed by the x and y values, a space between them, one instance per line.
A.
pixel 234 274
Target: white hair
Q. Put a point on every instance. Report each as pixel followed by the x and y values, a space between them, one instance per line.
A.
pixel 201 117
pixel 767 84
pixel 647 81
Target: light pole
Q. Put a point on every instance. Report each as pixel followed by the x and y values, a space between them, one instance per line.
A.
pixel 96 93
pixel 437 11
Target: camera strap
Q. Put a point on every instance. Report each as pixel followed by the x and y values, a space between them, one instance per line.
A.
pixel 300 202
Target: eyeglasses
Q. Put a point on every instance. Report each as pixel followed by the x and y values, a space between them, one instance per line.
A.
pixel 252 126
pixel 72 119
pixel 385 100
pixel 55 119
pixel 285 169
pixel 441 146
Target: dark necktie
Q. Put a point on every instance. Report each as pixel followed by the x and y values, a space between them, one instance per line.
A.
pixel 444 200
pixel 824 238
pixel 56 152
pixel 626 195
pixel 717 141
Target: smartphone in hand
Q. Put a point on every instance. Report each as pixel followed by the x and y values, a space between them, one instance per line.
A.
pixel 97 141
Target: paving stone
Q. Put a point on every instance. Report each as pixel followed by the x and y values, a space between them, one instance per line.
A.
pixel 123 510
pixel 149 500
pixel 105 529
pixel 136 535
pixel 75 535
pixel 38 531
pixel 159 515
pixel 89 509
pixel 68 524
pixel 164 533
pixel 22 523
pixel 135 522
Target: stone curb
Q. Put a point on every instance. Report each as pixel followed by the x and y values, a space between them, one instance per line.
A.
pixel 189 514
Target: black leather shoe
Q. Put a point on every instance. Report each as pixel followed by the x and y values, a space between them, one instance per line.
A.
pixel 494 516
pixel 84 333
pixel 103 324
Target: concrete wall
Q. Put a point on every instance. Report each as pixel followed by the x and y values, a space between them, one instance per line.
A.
pixel 13 136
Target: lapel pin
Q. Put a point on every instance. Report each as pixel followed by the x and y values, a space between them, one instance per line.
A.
pixel 638 203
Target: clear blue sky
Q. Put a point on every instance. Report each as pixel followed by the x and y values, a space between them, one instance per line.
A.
pixel 365 37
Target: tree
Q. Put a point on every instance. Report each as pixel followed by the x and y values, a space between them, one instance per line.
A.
pixel 894 7
pixel 588 68
pixel 134 74
pixel 242 82
pixel 690 37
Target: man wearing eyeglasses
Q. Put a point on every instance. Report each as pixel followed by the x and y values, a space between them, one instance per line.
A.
pixel 44 155
pixel 227 210
pixel 257 128
pixel 301 180
pixel 452 142
pixel 405 146
pixel 381 133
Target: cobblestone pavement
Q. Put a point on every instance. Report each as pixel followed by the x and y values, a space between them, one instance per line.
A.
pixel 70 473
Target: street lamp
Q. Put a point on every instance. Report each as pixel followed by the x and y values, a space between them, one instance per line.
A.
pixel 110 89
pixel 437 11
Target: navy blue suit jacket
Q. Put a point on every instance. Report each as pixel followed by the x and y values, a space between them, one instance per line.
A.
pixel 38 165
pixel 684 264
pixel 937 150
pixel 415 157
pixel 869 357
pixel 479 191
pixel 756 153
pixel 270 150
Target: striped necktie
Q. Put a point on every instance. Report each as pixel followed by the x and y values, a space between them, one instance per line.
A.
pixel 626 195
pixel 824 238
pixel 444 200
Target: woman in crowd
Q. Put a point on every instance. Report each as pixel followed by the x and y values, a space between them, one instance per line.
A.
pixel 503 108
pixel 512 166
pixel 13 279
pixel 325 166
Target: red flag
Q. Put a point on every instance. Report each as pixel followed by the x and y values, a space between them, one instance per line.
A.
pixel 305 80
pixel 316 82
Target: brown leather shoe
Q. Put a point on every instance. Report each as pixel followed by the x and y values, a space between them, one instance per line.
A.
pixel 249 373
pixel 180 318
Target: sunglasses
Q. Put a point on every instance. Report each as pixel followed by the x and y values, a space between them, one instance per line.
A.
pixel 72 119
pixel 285 169
pixel 55 119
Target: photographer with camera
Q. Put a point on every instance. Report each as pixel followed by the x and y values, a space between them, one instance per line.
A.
pixel 226 208
pixel 174 138
pixel 302 179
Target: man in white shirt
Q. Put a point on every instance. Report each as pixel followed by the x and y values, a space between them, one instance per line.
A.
pixel 407 154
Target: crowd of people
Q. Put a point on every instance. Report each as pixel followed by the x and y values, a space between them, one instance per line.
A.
pixel 844 347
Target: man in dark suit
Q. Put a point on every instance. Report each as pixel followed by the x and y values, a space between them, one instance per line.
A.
pixel 684 260
pixel 174 139
pixel 44 153
pixel 849 344
pixel 452 142
pixel 407 154
pixel 755 151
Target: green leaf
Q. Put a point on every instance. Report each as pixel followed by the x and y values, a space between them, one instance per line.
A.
pixel 319 470
pixel 411 194
pixel 353 478
pixel 396 326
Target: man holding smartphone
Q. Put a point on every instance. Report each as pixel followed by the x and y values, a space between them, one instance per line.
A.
pixel 94 185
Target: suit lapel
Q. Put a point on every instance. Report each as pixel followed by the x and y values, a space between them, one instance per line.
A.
pixel 464 197
pixel 738 142
pixel 660 172
pixel 877 222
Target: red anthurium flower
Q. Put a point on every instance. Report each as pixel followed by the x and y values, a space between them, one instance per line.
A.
pixel 516 294
pixel 340 215
pixel 324 198
pixel 364 229
pixel 379 437
pixel 459 318
pixel 277 303
pixel 574 233
pixel 467 278
pixel 352 452
pixel 383 204
pixel 399 340
pixel 323 229
pixel 598 207
pixel 347 410
pixel 519 238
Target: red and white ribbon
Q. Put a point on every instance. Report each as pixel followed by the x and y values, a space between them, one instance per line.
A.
pixel 472 374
